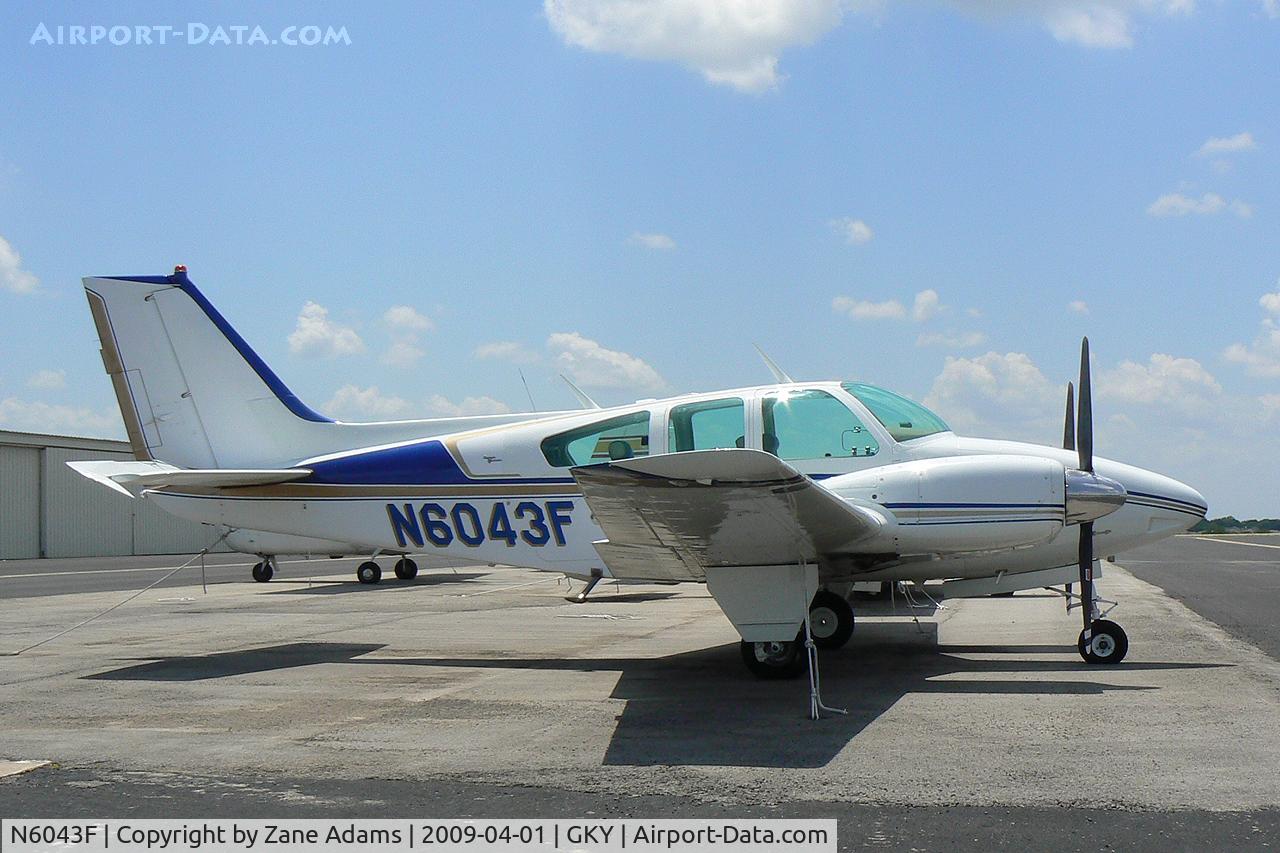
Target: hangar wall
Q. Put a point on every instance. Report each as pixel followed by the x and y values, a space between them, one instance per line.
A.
pixel 48 510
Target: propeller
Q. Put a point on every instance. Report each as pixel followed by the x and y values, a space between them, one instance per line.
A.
pixel 1084 416
pixel 1069 425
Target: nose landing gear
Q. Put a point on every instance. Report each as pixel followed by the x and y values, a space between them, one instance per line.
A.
pixel 263 571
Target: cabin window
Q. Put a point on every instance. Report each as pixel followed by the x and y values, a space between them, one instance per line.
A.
pixel 904 419
pixel 623 437
pixel 707 425
pixel 814 425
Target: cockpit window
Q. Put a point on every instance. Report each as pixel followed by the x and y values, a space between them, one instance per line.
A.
pixel 903 418
pixel 604 441
pixel 813 425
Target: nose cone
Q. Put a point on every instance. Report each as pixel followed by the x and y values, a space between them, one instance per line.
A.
pixel 1091 496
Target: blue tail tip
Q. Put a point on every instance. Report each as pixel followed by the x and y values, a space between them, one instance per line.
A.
pixel 180 274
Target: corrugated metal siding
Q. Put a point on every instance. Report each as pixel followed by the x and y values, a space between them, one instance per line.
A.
pixel 83 518
pixel 19 502
pixel 40 497
pixel 157 532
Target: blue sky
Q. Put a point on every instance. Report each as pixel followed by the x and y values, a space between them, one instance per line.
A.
pixel 913 194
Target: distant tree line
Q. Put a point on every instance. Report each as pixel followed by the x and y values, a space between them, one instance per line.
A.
pixel 1231 524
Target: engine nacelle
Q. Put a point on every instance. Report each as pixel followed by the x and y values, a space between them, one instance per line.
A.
pixel 963 504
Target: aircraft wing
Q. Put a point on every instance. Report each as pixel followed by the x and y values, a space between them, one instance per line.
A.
pixel 669 517
pixel 130 478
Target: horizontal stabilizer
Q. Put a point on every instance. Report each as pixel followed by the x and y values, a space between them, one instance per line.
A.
pixel 131 478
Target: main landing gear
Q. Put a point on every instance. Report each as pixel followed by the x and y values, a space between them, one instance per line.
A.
pixel 1102 641
pixel 830 624
pixel 263 571
pixel 370 572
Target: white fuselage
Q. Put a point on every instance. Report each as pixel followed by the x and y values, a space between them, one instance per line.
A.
pixel 492 495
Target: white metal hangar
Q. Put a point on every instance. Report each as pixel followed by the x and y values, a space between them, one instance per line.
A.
pixel 48 510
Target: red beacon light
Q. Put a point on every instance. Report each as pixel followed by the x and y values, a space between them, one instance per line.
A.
pixel 180 269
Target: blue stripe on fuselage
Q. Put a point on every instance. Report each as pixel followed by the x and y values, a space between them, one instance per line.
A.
pixel 422 463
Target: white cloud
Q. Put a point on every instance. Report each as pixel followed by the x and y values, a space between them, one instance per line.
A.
pixel 316 335
pixel 952 340
pixel 1272 8
pixel 588 363
pixel 405 324
pixel 926 306
pixel 1262 357
pixel 659 242
pixel 1270 405
pixel 403 352
pixel 48 379
pixel 352 401
pixel 1181 384
pixel 35 416
pixel 442 406
pixel 1090 25
pixel 854 231
pixel 1000 394
pixel 1227 144
pixel 1177 204
pixel 1270 302
pixel 863 310
pixel 735 43
pixel 507 351
pixel 12 276
pixel 1079 306
pixel 407 318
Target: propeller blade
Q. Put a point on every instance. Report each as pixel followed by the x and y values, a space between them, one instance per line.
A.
pixel 1069 425
pixel 1084 418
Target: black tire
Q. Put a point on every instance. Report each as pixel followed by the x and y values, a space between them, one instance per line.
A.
pixel 830 620
pixel 1107 646
pixel 775 660
pixel 369 572
pixel 1001 594
pixel 406 569
pixel 262 572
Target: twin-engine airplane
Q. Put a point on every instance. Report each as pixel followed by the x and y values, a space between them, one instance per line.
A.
pixel 778 497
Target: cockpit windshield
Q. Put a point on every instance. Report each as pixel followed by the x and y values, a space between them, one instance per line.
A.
pixel 903 418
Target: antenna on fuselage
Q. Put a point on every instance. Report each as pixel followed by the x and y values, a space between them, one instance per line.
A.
pixel 583 398
pixel 779 375
pixel 532 404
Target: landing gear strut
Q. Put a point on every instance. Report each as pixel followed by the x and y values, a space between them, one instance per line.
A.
pixel 581 597
pixel 263 571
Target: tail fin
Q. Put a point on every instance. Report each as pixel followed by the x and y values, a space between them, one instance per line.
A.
pixel 195 395
pixel 191 391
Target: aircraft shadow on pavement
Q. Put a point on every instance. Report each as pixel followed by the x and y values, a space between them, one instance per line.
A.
pixel 242 662
pixel 336 587
pixel 703 708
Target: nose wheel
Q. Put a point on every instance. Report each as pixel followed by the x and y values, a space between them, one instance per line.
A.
pixel 1103 642
pixel 406 569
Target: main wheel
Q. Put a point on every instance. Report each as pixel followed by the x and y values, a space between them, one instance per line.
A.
pixel 1108 643
pixel 830 620
pixel 262 572
pixel 406 569
pixel 369 572
pixel 776 659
